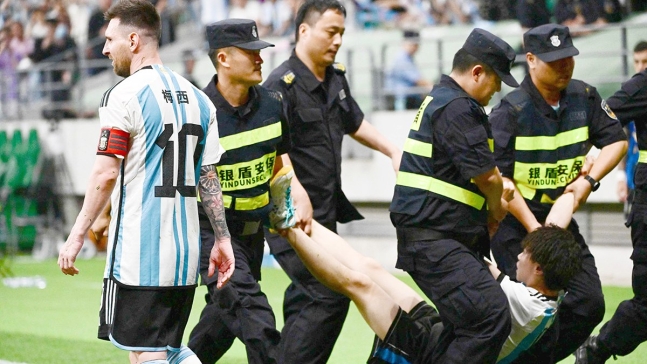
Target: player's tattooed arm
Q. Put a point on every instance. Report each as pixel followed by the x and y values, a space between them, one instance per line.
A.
pixel 211 196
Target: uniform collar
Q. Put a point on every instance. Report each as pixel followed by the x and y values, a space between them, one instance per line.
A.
pixel 219 101
pixel 447 81
pixel 538 100
pixel 309 79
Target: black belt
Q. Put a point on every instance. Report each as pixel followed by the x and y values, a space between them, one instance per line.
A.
pixel 236 227
pixel 421 234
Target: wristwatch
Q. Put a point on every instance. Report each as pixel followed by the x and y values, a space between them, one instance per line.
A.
pixel 594 184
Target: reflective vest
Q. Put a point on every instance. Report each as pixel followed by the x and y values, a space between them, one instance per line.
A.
pixel 416 182
pixel 246 167
pixel 549 154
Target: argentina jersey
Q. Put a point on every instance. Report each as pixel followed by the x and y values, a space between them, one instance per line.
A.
pixel 532 314
pixel 154 235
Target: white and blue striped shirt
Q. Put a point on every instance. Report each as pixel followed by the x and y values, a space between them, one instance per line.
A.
pixel 154 232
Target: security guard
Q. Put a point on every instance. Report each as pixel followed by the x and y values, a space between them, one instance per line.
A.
pixel 321 110
pixel 447 189
pixel 628 327
pixel 542 132
pixel 254 132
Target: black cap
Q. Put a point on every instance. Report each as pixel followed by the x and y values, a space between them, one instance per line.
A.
pixel 411 35
pixel 550 42
pixel 493 51
pixel 240 33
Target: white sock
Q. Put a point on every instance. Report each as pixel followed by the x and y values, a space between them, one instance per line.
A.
pixel 184 356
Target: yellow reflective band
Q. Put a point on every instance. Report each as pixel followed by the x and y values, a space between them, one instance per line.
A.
pixel 421 110
pixel 530 177
pixel 441 188
pixel 642 156
pixel 246 203
pixel 251 136
pixel 490 143
pixel 244 175
pixel 417 147
pixel 552 142
pixel 226 201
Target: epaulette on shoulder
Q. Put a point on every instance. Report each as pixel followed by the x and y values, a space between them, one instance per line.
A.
pixel 339 67
pixel 288 78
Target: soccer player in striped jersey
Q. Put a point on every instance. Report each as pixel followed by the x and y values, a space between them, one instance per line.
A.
pixel 159 139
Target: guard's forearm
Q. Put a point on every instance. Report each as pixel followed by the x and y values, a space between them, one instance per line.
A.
pixel 608 158
pixel 369 136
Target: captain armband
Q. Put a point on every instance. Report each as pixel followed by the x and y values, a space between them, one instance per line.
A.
pixel 113 142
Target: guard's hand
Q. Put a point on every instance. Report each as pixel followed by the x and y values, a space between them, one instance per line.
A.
pixel 222 256
pixel 68 253
pixel 622 191
pixel 508 190
pixel 581 190
pixel 588 164
pixel 303 206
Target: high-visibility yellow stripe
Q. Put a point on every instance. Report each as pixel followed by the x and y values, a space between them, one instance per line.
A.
pixel 246 203
pixel 417 147
pixel 250 137
pixel 248 174
pixel 642 156
pixel 441 188
pixel 552 142
pixel 490 143
pixel 421 110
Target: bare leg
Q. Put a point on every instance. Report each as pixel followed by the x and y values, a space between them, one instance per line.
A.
pixel 376 306
pixel 403 295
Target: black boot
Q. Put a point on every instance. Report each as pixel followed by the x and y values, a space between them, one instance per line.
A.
pixel 591 352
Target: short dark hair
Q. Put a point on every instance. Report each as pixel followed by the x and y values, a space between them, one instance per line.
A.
pixel 640 46
pixel 310 8
pixel 140 14
pixel 556 252
pixel 463 62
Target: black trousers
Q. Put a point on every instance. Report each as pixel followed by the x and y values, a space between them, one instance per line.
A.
pixel 471 303
pixel 628 327
pixel 582 308
pixel 239 310
pixel 313 314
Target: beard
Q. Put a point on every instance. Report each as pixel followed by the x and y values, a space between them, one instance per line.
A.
pixel 122 66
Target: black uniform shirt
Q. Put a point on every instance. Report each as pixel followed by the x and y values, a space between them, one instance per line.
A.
pixel 233 120
pixel 460 153
pixel 320 113
pixel 603 130
pixel 630 104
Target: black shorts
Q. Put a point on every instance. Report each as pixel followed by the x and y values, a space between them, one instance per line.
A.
pixel 144 319
pixel 411 338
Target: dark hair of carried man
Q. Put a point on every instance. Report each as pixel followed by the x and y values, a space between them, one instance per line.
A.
pixel 556 252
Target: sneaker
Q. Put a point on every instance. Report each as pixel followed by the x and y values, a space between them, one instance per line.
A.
pixel 590 352
pixel 283 214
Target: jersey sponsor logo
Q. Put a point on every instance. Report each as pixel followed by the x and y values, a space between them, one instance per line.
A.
pixel 421 110
pixel 248 174
pixel 608 110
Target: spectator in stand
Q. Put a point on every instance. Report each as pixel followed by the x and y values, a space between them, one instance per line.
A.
pixel 276 18
pixel 188 60
pixel 577 13
pixel 245 9
pixel 8 76
pixel 404 76
pixel 453 11
pixel 59 43
pixel 532 13
pixel 96 28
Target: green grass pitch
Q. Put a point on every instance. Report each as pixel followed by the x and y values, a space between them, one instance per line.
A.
pixel 58 324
